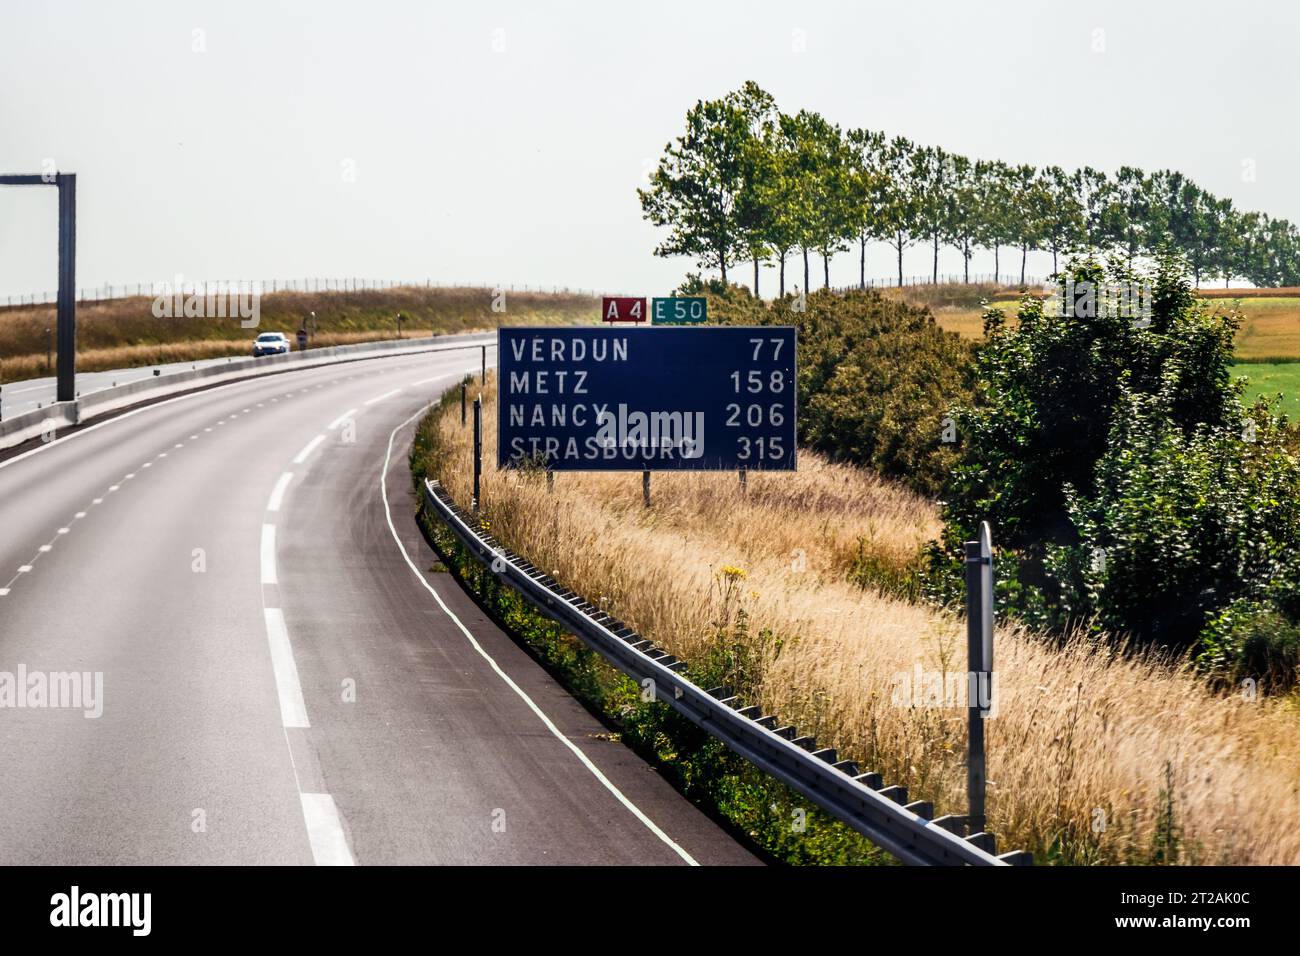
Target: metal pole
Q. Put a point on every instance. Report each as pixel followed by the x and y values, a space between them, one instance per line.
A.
pixel 742 480
pixel 66 390
pixel 49 350
pixel 463 388
pixel 645 486
pixel 483 375
pixel 478 448
pixel 979 652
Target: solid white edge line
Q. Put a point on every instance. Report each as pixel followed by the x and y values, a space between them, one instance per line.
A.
pixel 380 398
pixel 546 721
pixel 341 419
pixel 268 554
pixel 329 847
pixel 310 447
pixel 293 709
pixel 277 493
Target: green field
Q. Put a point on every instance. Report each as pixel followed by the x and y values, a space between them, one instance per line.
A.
pixel 1271 378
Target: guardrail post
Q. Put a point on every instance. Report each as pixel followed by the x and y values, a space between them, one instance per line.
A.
pixel 463 388
pixel 645 486
pixel 979 677
pixel 478 448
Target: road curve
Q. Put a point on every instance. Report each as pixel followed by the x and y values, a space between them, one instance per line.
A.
pixel 283 680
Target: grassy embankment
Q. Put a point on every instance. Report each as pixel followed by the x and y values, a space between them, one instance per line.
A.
pixel 123 333
pixel 1094 757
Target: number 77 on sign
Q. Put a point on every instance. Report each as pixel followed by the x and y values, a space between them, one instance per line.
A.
pixel 621 309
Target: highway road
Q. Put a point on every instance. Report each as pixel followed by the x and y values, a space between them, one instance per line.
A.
pixel 24 396
pixel 284 680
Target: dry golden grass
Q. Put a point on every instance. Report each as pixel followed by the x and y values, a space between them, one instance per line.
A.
pixel 1281 292
pixel 1270 326
pixel 1080 729
pixel 968 323
pixel 124 333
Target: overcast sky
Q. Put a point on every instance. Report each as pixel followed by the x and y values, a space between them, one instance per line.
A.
pixel 503 142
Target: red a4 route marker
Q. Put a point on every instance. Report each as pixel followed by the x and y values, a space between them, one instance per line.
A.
pixel 622 309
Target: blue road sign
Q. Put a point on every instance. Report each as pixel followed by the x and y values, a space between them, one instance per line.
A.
pixel 709 398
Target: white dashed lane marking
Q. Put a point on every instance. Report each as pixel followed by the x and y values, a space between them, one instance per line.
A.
pixel 273 505
pixel 310 447
pixel 342 418
pixel 325 834
pixel 329 847
pixel 277 493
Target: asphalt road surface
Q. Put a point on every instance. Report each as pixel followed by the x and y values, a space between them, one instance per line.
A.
pixel 283 679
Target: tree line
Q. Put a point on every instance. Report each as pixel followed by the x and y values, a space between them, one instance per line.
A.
pixel 747 183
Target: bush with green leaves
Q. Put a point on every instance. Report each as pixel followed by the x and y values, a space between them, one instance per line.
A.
pixel 1181 522
pixel 1128 487
pixel 876 377
pixel 1251 639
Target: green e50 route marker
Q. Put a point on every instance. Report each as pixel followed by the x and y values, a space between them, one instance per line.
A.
pixel 680 310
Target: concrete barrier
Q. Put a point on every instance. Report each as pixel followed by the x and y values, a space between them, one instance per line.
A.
pixel 29 425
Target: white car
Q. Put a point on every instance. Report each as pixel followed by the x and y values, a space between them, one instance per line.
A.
pixel 271 343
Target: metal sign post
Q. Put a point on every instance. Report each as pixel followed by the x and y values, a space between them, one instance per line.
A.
pixel 645 486
pixel 478 448
pixel 463 389
pixel 66 388
pixel 67 314
pixel 979 651
pixel 483 372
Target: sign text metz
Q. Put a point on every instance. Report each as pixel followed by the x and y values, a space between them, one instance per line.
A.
pixel 714 398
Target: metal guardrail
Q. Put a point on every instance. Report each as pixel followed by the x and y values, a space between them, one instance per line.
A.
pixel 861 800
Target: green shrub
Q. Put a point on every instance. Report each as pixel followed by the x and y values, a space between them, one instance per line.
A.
pixel 1128 487
pixel 1181 522
pixel 876 378
pixel 1251 639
